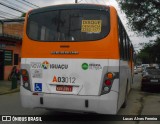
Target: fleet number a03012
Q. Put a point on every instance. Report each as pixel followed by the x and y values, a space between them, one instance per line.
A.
pixel 64 79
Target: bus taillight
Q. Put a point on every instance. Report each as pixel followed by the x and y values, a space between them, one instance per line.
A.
pixel 107 83
pixel 110 75
pixel 25 79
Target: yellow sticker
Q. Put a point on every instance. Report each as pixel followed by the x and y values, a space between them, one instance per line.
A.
pixel 91 26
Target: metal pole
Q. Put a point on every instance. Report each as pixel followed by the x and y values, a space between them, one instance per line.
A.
pixel 76 1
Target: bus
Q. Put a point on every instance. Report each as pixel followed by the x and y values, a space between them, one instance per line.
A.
pixel 76 57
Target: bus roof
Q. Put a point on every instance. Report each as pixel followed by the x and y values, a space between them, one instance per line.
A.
pixel 69 6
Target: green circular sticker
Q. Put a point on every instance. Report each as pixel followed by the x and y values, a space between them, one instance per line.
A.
pixel 84 66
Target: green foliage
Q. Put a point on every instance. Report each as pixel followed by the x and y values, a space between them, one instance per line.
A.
pixel 23 15
pixel 150 52
pixel 143 15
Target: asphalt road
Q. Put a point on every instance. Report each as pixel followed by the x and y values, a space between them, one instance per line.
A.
pixel 139 103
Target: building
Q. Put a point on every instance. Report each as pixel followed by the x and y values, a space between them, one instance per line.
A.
pixel 10 46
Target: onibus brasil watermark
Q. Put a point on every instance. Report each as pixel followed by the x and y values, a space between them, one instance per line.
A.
pixel 21 118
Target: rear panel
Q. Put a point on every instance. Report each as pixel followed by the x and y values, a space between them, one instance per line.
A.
pixel 75 65
pixel 82 76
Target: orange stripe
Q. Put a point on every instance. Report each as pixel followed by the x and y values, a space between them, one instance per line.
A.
pixel 104 48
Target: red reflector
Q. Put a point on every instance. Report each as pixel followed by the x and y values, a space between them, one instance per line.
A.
pixel 25 78
pixel 108 82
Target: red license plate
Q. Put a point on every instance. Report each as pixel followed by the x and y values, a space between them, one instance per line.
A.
pixel 64 88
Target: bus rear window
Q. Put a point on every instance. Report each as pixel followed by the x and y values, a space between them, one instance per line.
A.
pixel 69 25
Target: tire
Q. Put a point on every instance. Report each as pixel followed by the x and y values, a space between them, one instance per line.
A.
pixel 143 88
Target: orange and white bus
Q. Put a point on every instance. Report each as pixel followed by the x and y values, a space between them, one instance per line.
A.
pixel 75 57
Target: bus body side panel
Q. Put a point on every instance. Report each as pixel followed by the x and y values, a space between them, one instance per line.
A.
pixel 124 81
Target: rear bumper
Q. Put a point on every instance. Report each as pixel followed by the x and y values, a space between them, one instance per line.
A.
pixel 105 104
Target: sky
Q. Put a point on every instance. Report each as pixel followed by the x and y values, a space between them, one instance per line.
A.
pixel 41 3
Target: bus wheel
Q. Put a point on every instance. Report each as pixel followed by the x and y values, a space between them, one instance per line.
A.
pixel 143 88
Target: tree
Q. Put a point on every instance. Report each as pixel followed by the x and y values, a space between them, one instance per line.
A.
pixel 150 53
pixel 143 15
pixel 23 15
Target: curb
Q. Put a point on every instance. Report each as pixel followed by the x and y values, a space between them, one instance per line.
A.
pixel 11 91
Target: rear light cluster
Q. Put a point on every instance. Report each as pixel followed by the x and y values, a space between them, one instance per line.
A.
pixel 25 79
pixel 107 83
